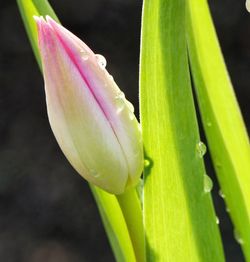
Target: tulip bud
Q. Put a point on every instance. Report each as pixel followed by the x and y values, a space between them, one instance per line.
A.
pixel 92 121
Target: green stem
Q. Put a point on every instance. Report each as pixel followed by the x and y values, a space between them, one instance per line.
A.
pixel 114 224
pixel 132 212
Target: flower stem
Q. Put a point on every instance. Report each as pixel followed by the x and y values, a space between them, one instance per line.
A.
pixel 132 211
pixel 114 224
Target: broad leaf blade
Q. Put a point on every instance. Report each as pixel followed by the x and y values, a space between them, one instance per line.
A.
pixel 179 217
pixel 225 131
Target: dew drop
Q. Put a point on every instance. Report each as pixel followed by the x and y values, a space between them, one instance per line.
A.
pixel 248 5
pixel 130 106
pixel 222 195
pixel 120 95
pixel 208 184
pixel 237 237
pixel 218 165
pixel 84 55
pixel 217 220
pixel 201 149
pixel 146 163
pixel 120 102
pixel 209 124
pixel 131 115
pixel 227 210
pixel 101 61
pixel 94 173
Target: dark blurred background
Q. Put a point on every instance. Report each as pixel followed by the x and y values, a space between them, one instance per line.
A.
pixel 47 212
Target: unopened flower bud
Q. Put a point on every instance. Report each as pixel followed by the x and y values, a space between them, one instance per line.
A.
pixel 90 117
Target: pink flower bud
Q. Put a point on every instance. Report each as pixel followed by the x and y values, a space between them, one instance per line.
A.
pixel 92 121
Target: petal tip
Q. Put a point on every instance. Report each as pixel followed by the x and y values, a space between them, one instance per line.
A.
pixel 36 18
pixel 39 19
pixel 51 21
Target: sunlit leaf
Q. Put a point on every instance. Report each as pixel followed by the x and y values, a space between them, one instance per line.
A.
pixel 225 131
pixel 180 222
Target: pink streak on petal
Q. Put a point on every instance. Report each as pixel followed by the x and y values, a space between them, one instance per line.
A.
pixel 75 57
pixel 46 38
pixel 59 28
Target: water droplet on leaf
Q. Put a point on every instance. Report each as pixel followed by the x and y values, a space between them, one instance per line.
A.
pixel 217 220
pixel 237 237
pixel 146 163
pixel 221 194
pixel 201 149
pixel 101 61
pixel 208 184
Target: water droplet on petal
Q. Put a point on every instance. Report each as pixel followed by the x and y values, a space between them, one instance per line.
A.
pixel 120 102
pixel 131 115
pixel 120 95
pixel 101 61
pixel 208 184
pixel 221 194
pixel 84 55
pixel 201 149
pixel 130 106
pixel 237 237
pixel 217 220
pixel 94 173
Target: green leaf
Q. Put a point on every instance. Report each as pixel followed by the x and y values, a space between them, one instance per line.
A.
pixel 225 131
pixel 180 222
pixel 28 10
pixel 45 8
